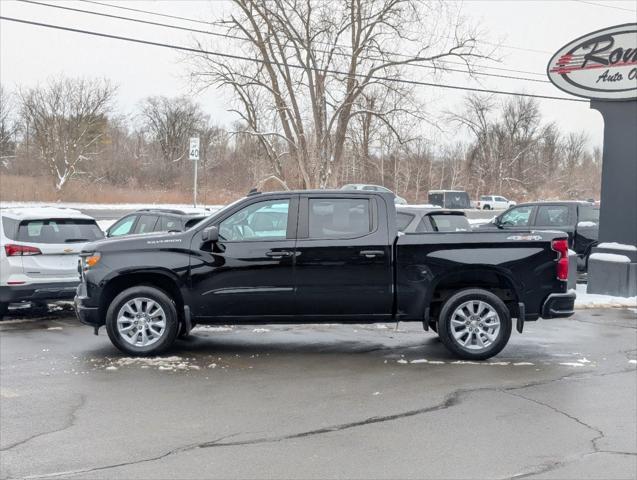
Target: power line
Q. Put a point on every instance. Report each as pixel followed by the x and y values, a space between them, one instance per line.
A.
pixel 210 23
pixel 216 34
pixel 256 60
pixel 203 22
pixel 607 6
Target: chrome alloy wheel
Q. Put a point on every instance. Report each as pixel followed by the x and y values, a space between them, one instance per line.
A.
pixel 141 322
pixel 475 325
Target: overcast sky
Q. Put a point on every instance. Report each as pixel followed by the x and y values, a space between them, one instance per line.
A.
pixel 536 29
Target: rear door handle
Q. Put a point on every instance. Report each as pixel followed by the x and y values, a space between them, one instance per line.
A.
pixel 372 253
pixel 279 254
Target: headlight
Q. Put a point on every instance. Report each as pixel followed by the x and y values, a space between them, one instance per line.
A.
pixel 89 261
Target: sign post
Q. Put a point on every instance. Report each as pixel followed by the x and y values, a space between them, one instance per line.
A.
pixel 193 154
pixel 602 66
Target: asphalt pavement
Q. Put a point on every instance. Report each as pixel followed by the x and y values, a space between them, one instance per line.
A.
pixel 319 401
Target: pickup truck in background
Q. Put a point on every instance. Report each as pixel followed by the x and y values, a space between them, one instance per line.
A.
pixel 322 256
pixel 579 220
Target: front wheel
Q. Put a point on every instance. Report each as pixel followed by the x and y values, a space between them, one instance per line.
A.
pixel 142 321
pixel 4 308
pixel 474 324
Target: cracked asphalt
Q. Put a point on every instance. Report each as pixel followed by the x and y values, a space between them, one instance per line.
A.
pixel 320 401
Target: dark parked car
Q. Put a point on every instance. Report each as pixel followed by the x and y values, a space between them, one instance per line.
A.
pixel 150 220
pixel 322 256
pixel 416 219
pixel 580 220
pixel 449 198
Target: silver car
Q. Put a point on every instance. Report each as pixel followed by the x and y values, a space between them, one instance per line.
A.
pixel 39 250
pixel 374 188
pixel 415 219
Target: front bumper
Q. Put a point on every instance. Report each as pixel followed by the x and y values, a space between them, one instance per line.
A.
pixel 86 314
pixel 38 291
pixel 559 305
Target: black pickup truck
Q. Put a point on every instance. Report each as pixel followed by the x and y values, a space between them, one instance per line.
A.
pixel 322 256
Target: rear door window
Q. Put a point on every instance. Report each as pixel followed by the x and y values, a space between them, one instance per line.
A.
pixel 168 224
pixel 450 223
pixel 339 217
pixel 59 230
pixel 588 214
pixel 403 220
pixel 552 216
pixel 146 223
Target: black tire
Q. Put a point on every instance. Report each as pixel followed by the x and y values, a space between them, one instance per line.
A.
pixel 486 207
pixel 445 325
pixel 4 308
pixel 171 321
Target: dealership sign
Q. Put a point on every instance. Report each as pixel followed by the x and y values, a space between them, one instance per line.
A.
pixel 601 65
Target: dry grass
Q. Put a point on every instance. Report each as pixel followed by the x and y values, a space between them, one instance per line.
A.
pixel 40 189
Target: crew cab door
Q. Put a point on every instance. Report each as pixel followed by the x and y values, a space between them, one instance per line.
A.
pixel 343 257
pixel 249 271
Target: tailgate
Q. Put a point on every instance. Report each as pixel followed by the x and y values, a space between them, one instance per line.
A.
pixel 56 260
pixel 59 242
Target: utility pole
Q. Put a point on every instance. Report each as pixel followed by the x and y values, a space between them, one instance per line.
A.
pixel 194 156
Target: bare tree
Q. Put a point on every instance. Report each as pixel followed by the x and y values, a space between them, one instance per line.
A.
pixel 8 127
pixel 169 122
pixel 313 60
pixel 68 119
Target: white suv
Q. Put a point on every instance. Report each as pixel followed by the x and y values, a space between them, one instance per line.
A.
pixel 494 202
pixel 39 250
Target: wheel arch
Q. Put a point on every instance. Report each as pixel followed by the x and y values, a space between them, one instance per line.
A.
pixel 164 281
pixel 492 279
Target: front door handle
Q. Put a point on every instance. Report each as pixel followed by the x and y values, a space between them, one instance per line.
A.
pixel 279 254
pixel 372 253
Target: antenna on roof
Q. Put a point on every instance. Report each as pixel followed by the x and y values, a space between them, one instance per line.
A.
pixel 254 191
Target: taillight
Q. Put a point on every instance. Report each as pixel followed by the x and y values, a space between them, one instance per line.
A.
pixel 17 250
pixel 561 247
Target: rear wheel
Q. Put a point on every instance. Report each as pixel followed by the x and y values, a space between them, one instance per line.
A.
pixel 4 308
pixel 142 321
pixel 486 207
pixel 474 324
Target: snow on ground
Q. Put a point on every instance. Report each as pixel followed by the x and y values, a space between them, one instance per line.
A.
pixel 107 206
pixel 593 300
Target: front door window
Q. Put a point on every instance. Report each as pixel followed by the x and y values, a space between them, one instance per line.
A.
pixel 257 222
pixel 517 217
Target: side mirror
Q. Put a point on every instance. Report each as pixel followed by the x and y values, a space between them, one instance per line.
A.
pixel 210 234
